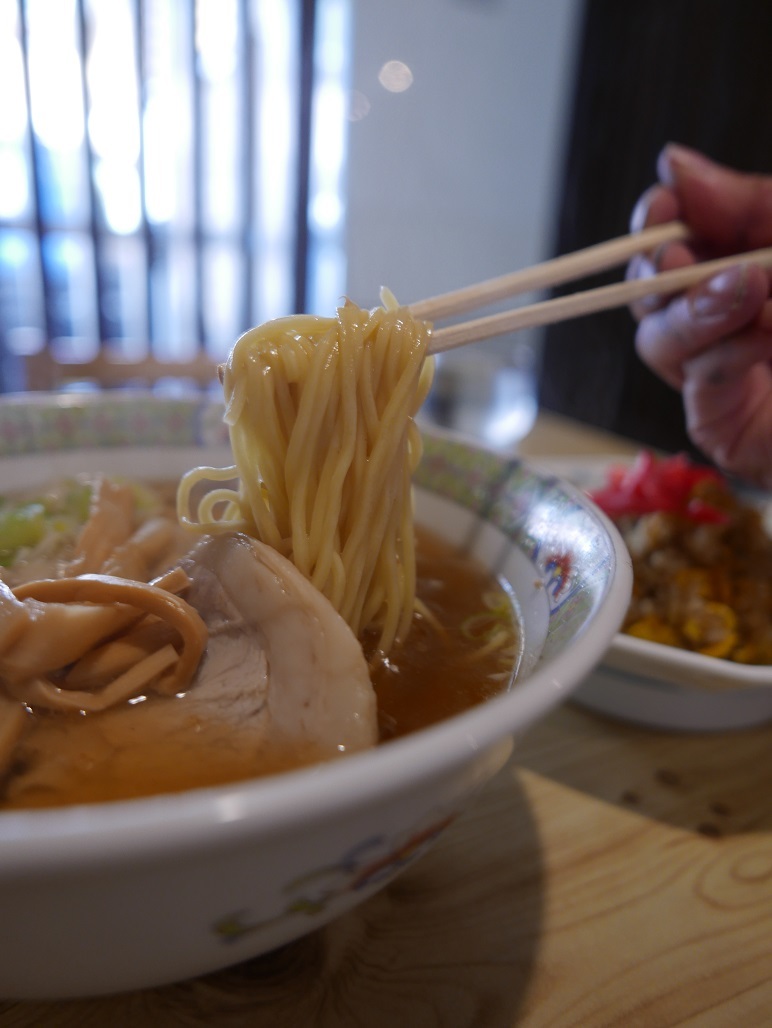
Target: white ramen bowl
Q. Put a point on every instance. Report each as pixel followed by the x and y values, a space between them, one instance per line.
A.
pixel 118 896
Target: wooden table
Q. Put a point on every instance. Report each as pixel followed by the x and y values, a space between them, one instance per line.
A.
pixel 609 875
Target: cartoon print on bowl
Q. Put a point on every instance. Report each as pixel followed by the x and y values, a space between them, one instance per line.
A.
pixel 365 866
pixel 558 567
pixel 525 506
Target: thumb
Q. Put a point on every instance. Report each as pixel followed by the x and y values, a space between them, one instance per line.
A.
pixel 729 210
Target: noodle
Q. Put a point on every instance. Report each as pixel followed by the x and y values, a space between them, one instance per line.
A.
pixel 76 614
pixel 320 414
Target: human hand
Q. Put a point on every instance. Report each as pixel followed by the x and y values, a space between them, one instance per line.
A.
pixel 714 342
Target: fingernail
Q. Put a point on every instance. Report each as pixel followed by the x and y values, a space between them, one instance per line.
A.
pixel 721 294
pixel 639 215
pixel 677 160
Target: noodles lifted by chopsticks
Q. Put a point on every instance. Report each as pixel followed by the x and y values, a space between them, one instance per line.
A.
pixel 320 412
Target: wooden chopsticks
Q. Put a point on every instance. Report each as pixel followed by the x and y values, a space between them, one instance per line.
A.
pixel 564 269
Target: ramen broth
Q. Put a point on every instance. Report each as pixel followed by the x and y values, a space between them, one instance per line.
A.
pixel 462 648
pixel 450 662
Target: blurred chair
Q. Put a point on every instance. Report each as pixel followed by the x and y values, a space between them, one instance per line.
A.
pixel 44 371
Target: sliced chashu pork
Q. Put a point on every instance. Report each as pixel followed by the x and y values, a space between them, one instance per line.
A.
pixel 280 662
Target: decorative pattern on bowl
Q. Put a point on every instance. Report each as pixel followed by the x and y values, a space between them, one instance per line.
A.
pixel 362 868
pixel 536 513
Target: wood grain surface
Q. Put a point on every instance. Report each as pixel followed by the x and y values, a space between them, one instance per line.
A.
pixel 608 876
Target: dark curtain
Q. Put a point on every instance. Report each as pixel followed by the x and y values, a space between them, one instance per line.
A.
pixel 648 71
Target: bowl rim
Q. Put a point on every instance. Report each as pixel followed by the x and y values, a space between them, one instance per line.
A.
pixel 125 831
pixel 703 673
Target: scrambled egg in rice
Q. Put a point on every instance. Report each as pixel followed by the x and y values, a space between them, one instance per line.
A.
pixel 702 559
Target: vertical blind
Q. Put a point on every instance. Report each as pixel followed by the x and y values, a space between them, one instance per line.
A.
pixel 171 171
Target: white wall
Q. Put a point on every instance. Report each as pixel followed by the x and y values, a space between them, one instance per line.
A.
pixel 454 180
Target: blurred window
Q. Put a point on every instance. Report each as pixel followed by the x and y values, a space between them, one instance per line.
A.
pixel 170 173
